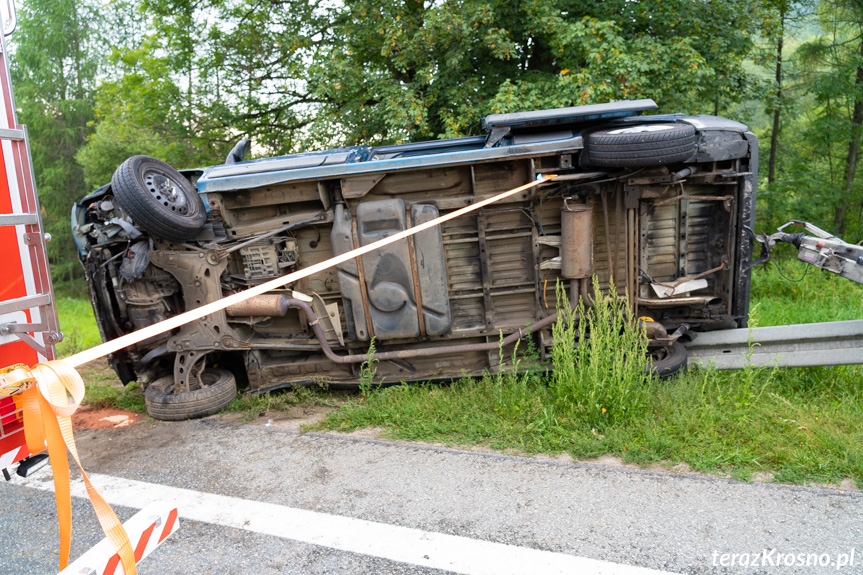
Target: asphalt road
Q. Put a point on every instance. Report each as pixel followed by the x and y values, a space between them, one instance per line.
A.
pixel 488 506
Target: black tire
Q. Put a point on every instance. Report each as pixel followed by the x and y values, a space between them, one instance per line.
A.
pixel 218 388
pixel 669 361
pixel 640 145
pixel 159 199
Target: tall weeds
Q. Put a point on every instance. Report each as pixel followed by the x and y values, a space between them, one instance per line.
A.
pixel 601 374
pixel 368 370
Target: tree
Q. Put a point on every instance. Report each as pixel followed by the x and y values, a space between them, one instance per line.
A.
pixel 200 75
pixel 782 8
pixel 147 103
pixel 411 70
pixel 835 62
pixel 300 74
pixel 55 65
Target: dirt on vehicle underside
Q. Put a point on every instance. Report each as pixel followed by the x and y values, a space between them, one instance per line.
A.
pixel 655 209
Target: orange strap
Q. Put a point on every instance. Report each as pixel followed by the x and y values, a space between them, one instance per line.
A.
pixel 47 409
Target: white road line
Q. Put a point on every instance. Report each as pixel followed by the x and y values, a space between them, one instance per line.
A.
pixel 403 544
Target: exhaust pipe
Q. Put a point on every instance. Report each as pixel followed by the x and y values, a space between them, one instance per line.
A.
pixel 576 248
pixel 264 305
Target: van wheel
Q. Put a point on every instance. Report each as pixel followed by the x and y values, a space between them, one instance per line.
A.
pixel 667 361
pixel 158 198
pixel 640 145
pixel 217 388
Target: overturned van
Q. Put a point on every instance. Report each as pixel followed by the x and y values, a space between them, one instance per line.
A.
pixel 659 205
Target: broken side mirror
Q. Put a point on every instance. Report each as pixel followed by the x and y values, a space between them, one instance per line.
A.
pixel 239 151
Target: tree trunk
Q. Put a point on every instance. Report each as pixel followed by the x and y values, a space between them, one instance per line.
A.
pixel 189 93
pixel 777 106
pixel 853 150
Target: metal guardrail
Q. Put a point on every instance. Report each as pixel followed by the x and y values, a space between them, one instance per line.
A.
pixel 799 345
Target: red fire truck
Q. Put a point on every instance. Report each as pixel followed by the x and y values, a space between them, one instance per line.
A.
pixel 28 317
pixel 28 320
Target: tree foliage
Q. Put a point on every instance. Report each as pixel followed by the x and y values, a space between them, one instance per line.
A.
pixel 183 80
pixel 300 74
pixel 55 68
pixel 816 172
pixel 412 70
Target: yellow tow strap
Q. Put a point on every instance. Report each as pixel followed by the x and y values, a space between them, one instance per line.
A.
pixel 47 409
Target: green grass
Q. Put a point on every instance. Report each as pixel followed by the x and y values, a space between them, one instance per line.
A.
pixel 107 392
pixel 302 398
pixel 712 421
pixel 818 296
pixel 798 425
pixel 78 325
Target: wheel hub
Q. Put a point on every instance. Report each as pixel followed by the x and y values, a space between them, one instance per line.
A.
pixel 166 192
